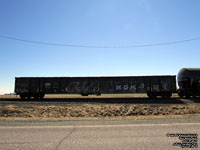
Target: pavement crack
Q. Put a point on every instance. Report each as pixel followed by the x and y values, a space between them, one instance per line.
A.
pixel 64 138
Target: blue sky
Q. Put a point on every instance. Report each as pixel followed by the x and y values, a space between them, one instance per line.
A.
pixel 97 23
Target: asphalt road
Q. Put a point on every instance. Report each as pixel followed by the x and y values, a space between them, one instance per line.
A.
pixel 98 135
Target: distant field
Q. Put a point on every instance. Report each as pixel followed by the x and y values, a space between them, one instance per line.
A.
pixel 9 96
pixel 80 96
pixel 93 96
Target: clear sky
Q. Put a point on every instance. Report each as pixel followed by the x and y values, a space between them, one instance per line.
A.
pixel 97 23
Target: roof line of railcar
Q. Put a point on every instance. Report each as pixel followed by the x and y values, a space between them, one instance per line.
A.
pixel 192 68
pixel 189 70
pixel 103 76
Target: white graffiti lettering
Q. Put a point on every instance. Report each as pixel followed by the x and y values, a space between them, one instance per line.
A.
pixel 118 87
pixel 126 87
pixel 141 86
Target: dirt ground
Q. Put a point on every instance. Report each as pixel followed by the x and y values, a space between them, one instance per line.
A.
pixel 73 111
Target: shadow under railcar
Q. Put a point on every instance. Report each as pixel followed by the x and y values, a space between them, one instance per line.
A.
pixel 108 100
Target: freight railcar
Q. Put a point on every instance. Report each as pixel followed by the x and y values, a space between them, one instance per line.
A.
pixel 37 87
pixel 189 82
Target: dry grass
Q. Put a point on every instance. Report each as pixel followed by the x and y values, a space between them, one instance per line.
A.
pixel 85 111
pixel 94 111
pixel 8 96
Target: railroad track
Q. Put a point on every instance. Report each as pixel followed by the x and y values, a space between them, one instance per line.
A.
pixel 101 100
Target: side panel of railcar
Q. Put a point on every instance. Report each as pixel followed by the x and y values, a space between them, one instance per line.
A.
pixel 38 86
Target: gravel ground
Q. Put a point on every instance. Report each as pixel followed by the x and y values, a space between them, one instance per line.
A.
pixel 73 110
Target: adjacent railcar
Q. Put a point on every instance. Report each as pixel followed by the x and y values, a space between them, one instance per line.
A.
pixel 189 82
pixel 37 87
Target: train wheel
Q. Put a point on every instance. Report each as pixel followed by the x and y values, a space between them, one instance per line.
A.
pixel 98 94
pixel 180 94
pixel 187 96
pixel 84 94
pixel 36 96
pixel 169 95
pixel 22 96
pixel 41 96
pixel 151 95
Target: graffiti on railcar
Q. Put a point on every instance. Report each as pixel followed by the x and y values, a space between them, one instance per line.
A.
pixel 48 87
pixel 132 87
pixel 125 87
pixel 74 87
pixel 141 87
pixel 94 87
pixel 110 86
pixel 165 85
pixel 83 87
pixel 155 88
pixel 118 87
